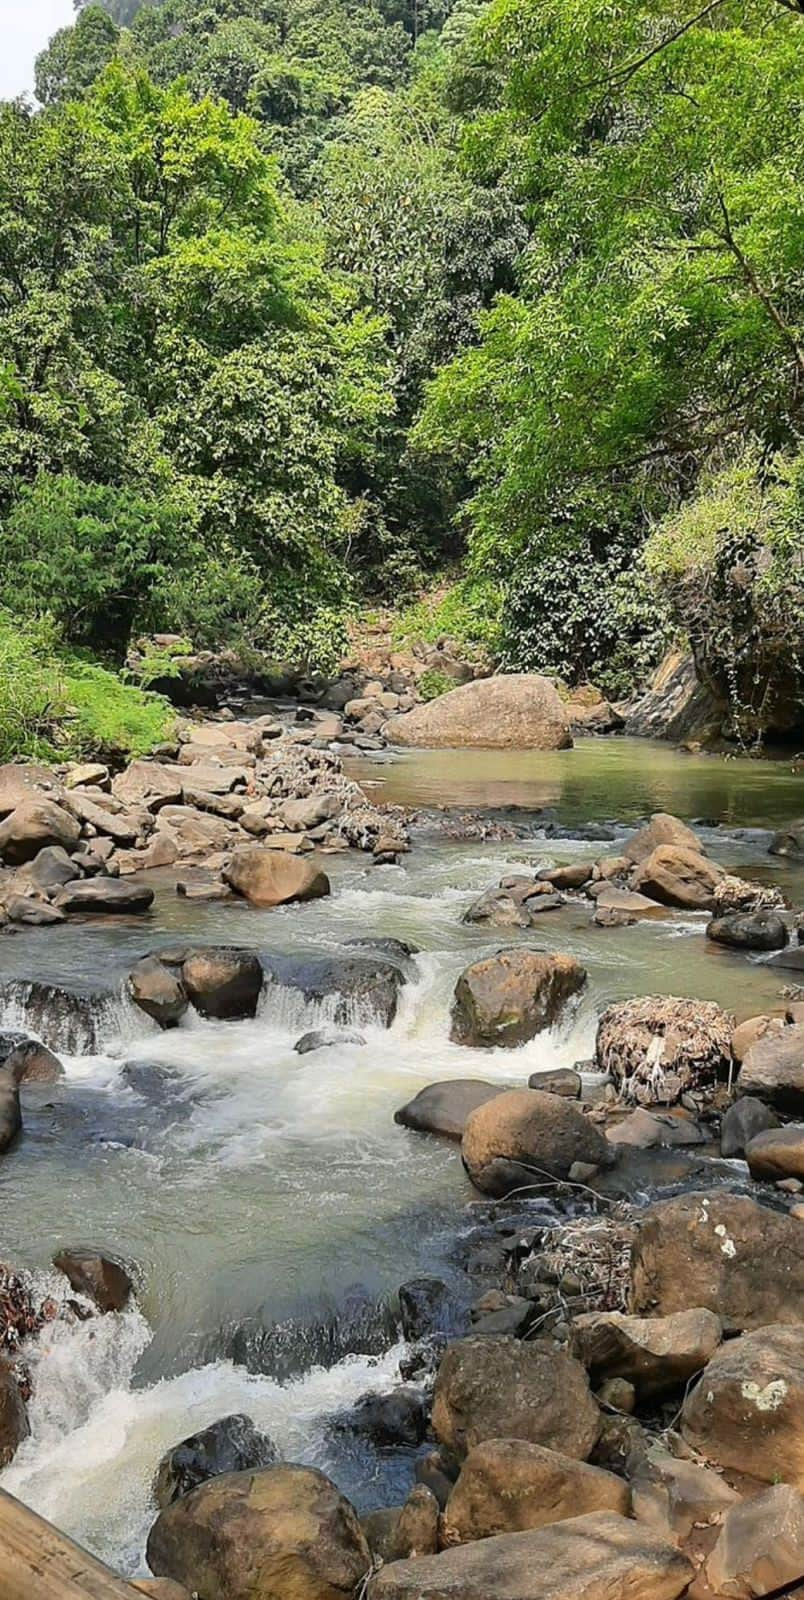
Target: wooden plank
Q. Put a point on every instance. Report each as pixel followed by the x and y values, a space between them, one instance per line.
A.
pixel 39 1563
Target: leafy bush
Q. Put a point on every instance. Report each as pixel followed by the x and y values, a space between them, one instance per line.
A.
pixel 433 683
pixel 467 611
pixel 106 717
pixel 31 688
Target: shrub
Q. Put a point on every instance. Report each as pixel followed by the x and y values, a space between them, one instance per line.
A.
pixel 433 683
pixel 467 611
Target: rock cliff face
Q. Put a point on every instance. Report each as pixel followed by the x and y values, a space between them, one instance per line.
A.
pixel 516 711
pixel 676 705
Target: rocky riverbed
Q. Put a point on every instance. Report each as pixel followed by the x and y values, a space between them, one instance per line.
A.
pixel 578 1081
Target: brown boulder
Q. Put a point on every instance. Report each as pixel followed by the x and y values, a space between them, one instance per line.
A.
pixel 657 1047
pixel 777 1153
pixel 20 781
pixel 723 1251
pixel 516 711
pixel 773 1070
pixel 508 998
pixel 99 1278
pixel 560 1080
pixel 523 1136
pixel 10 1114
pixel 672 1495
pixel 104 897
pixel 678 877
pixel 760 1547
pixel 626 901
pixel 753 1029
pixel 500 1388
pixel 654 1353
pixel 509 1486
pixel 747 1412
pixel 273 877
pixel 223 982
pixel 598 1557
pixel 443 1108
pixel 13 1415
pixel 416 1528
pixel 27 1060
pixel 663 829
pixel 157 991
pixel 35 824
pixel 282 1533
pixel 148 784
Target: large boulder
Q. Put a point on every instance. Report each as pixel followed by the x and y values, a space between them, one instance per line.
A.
pixel 760 1547
pixel 662 829
pixel 722 1251
pixel 747 1412
pixel 27 1060
pixel 232 1444
pixel 654 1353
pixel 789 841
pixel 158 991
pixel 223 982
pixel 500 1388
pixel 518 711
pixel 105 897
pixel 27 780
pixel 657 1047
pixel 741 1123
pixel 523 1136
pixel 148 784
pixel 507 998
pixel 777 1153
pixel 361 990
pixel 10 1114
pixel 13 1415
pixel 678 876
pixel 282 1533
pixel 510 1485
pixel 749 930
pixel 273 877
pixel 602 1556
pixel 444 1108
pixel 100 1278
pixel 673 1495
pixel 35 824
pixel 773 1070
pixel 50 869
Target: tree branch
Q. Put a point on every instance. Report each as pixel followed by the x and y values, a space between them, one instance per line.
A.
pixel 758 289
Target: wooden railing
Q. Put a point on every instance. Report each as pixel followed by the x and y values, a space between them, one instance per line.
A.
pixel 39 1563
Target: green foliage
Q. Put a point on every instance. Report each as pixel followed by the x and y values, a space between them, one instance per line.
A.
pixel 106 717
pixel 31 689
pixel 467 611
pixel 433 683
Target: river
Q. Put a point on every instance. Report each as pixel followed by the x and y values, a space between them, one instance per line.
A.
pixel 268 1199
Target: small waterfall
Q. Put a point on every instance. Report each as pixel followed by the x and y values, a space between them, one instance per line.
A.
pixel 68 1020
pixel 357 1326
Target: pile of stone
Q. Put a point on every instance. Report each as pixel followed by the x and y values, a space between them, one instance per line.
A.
pixel 242 802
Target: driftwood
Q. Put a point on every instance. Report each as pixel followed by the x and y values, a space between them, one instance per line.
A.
pixel 39 1563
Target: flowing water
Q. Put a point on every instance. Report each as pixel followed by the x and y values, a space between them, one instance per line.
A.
pixel 268 1200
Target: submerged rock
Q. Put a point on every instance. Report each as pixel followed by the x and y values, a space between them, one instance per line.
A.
pixel 425 1307
pixel 364 989
pixel 523 1137
pixel 278 1533
pixel 232 1444
pixel 10 1114
pixel 388 1420
pixel 754 930
pixel 789 841
pixel 499 1388
pixel 326 1039
pixel 510 1485
pixel 444 1108
pixel 103 1280
pixel 508 998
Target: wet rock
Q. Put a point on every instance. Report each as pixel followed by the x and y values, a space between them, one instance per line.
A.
pixel 416 1530
pixel 657 1047
pixel 513 1318
pixel 587 1558
pixel 149 784
pixel 365 990
pixel 510 1486
pixel 13 1415
pixel 773 1070
pixel 523 1137
pixel 654 1353
pixel 777 1153
pixel 626 903
pixel 506 1389
pixel 438 1473
pixel 562 1081
pixel 33 825
pixel 100 1278
pixel 673 1495
pixel 157 991
pixel 572 876
pixel 399 950
pixel 754 930
pixel 327 1038
pixel 28 1060
pixel 425 1307
pixel 105 896
pixel 273 877
pixel 760 1547
pixel 747 1412
pixel 232 1444
pixel 676 876
pixel 519 711
pixel 663 829
pixel 388 1420
pixel 789 841
pixel 443 1108
pixel 742 1122
pixel 51 868
pixel 223 982
pixel 420 1361
pixel 722 1251
pixel 643 1130
pixel 30 912
pixel 281 1532
pixel 10 1114
pixel 508 998
pixel 790 960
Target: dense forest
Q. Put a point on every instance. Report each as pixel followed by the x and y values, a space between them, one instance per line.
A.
pixel 309 305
